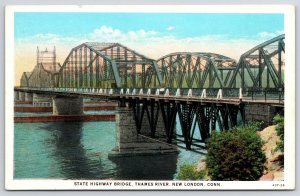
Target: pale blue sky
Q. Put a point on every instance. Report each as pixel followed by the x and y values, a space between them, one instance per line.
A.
pixel 184 25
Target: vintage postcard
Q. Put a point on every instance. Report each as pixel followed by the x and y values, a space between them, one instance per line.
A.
pixel 156 97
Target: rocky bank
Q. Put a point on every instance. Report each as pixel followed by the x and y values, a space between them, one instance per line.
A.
pixel 274 170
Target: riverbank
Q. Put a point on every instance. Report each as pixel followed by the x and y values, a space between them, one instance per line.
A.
pixel 274 171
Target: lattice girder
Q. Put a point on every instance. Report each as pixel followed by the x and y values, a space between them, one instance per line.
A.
pixel 94 65
pixel 262 67
pixel 195 70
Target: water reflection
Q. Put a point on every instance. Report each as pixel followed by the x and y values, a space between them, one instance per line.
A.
pixel 75 162
pixel 154 167
pixel 70 152
pixel 79 150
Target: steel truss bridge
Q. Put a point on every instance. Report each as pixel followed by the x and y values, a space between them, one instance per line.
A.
pixel 112 65
pixel 204 90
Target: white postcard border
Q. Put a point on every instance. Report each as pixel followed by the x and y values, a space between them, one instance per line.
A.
pixel 59 184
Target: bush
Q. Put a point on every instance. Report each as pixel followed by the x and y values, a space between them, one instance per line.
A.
pixel 236 154
pixel 189 172
pixel 279 120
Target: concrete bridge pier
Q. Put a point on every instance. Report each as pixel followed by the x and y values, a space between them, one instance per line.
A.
pixel 21 96
pixel 67 105
pixel 28 97
pixel 41 100
pixel 16 96
pixel 262 112
pixel 129 143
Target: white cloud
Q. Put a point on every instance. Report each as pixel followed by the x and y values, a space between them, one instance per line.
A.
pixel 170 28
pixel 46 36
pixel 266 35
pixel 109 34
pixel 158 46
pixel 106 32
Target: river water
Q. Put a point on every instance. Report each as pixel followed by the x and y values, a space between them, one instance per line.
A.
pixel 79 150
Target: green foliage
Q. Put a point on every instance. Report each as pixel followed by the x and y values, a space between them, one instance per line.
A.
pixel 279 120
pixel 189 172
pixel 236 154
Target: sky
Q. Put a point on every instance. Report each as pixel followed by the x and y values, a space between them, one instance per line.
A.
pixel 151 34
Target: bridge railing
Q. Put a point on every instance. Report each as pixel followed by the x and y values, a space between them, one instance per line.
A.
pixel 225 93
pixel 266 94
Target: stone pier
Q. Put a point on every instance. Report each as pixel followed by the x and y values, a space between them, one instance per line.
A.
pixel 41 100
pixel 28 97
pixel 262 112
pixel 16 96
pixel 67 105
pixel 129 143
pixel 21 96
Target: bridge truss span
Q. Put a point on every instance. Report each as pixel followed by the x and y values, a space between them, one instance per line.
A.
pixel 196 70
pixel 112 65
pixel 107 65
pixel 262 67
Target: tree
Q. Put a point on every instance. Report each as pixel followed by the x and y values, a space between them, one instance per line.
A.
pixel 236 154
pixel 279 120
pixel 189 172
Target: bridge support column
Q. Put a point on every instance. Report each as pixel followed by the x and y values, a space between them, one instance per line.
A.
pixel 129 143
pixel 16 95
pixel 41 100
pixel 21 96
pixel 262 112
pixel 28 96
pixel 67 105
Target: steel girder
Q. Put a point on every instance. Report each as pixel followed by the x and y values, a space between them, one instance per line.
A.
pixel 92 65
pixel 197 120
pixel 195 70
pixel 262 67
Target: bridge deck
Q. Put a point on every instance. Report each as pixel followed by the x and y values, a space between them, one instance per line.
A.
pixel 183 98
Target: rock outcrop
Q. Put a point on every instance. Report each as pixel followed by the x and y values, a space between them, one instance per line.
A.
pixel 201 165
pixel 274 169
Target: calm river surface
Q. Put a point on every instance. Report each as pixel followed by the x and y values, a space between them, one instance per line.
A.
pixel 79 150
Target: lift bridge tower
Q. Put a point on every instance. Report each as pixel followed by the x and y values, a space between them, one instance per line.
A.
pixel 47 59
